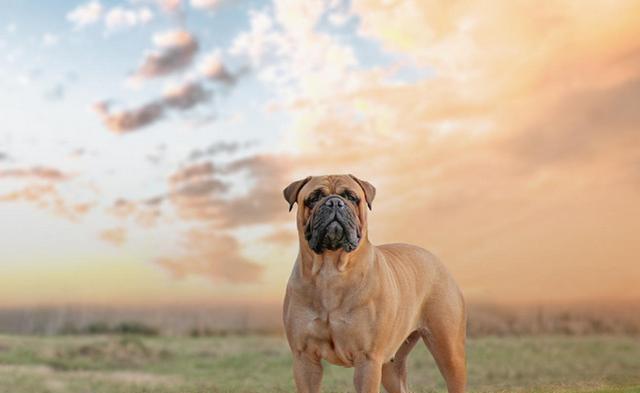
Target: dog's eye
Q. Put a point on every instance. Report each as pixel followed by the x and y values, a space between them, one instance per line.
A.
pixel 351 197
pixel 313 198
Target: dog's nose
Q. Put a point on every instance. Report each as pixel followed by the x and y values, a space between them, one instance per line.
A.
pixel 334 202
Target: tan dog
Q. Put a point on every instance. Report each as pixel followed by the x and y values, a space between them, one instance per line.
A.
pixel 364 306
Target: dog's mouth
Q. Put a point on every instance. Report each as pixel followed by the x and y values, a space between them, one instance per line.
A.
pixel 333 228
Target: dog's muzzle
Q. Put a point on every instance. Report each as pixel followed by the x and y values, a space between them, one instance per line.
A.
pixel 333 225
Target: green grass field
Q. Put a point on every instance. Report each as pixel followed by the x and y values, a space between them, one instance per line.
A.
pixel 107 364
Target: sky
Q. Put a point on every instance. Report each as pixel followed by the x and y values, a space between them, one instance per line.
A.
pixel 144 144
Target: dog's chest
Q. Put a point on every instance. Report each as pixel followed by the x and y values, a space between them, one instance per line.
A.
pixel 332 326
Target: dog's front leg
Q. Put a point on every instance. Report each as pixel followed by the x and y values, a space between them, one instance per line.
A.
pixel 367 376
pixel 307 373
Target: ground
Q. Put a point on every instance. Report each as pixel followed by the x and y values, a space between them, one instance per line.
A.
pixel 133 364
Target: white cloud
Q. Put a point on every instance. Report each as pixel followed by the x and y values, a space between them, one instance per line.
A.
pixel 85 14
pixel 290 54
pixel 119 17
pixel 171 38
pixel 114 18
pixel 206 4
pixel 214 69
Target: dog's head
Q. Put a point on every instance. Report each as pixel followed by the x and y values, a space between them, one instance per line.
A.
pixel 332 211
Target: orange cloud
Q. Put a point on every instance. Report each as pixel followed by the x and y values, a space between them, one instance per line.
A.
pixel 132 119
pixel 145 213
pixel 47 197
pixel 115 236
pixel 198 193
pixel 36 172
pixel 213 255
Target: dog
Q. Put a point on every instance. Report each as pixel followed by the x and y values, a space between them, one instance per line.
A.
pixel 358 305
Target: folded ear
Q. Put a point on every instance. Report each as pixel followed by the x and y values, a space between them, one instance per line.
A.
pixel 292 190
pixel 368 188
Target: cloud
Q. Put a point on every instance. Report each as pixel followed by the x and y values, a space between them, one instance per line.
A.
pixel 213 69
pixel 47 197
pixel 181 98
pixel 186 96
pixel 85 14
pixel 123 208
pixel 201 194
pixel 36 172
pixel 124 121
pixel 295 58
pixel 212 255
pixel 206 4
pixel 200 188
pixel 190 172
pixel 115 236
pixel 144 213
pixel 115 18
pixel 32 193
pixel 118 18
pixel 176 49
pixel 217 148
pixel 194 191
pixel 209 201
pixel 262 202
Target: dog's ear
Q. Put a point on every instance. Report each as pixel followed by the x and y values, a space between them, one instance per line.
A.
pixel 368 188
pixel 292 190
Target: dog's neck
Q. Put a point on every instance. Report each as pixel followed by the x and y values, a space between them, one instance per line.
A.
pixel 340 260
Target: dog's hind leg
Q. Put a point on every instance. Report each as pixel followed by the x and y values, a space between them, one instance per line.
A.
pixel 394 373
pixel 445 338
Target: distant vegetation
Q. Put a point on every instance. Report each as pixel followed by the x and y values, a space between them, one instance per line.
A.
pixel 620 319
pixel 484 320
pixel 135 328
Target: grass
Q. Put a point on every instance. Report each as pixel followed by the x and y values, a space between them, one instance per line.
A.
pixel 133 364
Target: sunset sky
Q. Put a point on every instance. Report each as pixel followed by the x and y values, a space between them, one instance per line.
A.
pixel 144 144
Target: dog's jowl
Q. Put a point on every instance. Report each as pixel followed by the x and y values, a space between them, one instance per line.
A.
pixel 364 306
